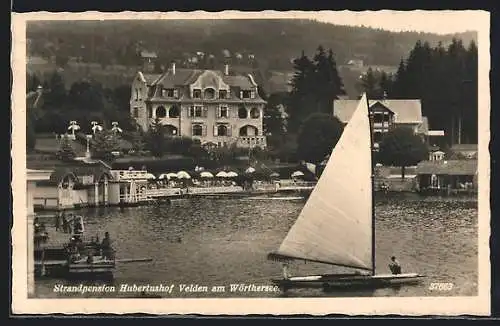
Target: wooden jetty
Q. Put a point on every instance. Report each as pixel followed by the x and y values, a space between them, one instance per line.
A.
pixel 59 254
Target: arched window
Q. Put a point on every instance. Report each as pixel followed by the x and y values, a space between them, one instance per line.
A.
pixel 197 130
pixel 242 112
pixel 209 94
pixel 174 112
pixel 222 130
pixel 161 112
pixel 248 131
pixel 255 113
pixel 170 130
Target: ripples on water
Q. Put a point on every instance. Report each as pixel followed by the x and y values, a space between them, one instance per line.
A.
pixel 223 241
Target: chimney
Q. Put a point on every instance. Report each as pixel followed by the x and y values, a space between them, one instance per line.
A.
pixel 173 68
pixel 226 69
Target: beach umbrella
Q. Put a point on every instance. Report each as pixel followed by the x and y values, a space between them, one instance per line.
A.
pixel 150 176
pixel 231 174
pixel 221 174
pixel 206 174
pixel 163 176
pixel 297 174
pixel 171 175
pixel 250 170
pixel 183 175
pixel 274 175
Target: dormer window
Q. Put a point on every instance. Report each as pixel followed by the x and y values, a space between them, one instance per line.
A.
pixel 209 94
pixel 246 94
pixel 197 93
pixel 168 92
pixel 223 94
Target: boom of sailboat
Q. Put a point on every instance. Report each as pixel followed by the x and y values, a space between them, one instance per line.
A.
pixel 337 224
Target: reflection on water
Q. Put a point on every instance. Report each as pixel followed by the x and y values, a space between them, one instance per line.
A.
pixel 210 242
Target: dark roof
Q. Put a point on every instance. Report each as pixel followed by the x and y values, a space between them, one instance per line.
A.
pixel 77 170
pixel 184 77
pixel 451 167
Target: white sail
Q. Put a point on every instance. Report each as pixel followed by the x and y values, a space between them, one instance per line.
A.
pixel 335 225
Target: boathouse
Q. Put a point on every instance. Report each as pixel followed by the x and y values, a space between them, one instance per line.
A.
pixel 450 175
pixel 76 185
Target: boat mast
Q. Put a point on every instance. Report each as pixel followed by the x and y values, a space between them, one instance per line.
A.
pixel 370 120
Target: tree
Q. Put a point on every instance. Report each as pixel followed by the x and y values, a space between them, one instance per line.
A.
pixel 66 152
pixel 137 140
pixel 301 95
pixel 32 82
pixel 327 80
pixel 54 93
pixel 317 137
pixel 155 138
pixel 370 85
pixel 30 131
pixel 105 142
pixel 401 147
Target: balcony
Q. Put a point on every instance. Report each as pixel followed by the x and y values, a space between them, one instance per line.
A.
pixel 125 175
pixel 251 141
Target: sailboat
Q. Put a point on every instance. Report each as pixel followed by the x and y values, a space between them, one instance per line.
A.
pixel 337 224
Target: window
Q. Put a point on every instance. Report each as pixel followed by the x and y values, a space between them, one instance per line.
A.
pixel 150 111
pixel 197 111
pixel 197 130
pixel 136 94
pixel 174 112
pixel 378 118
pixel 252 94
pixel 136 112
pixel 377 137
pixel 161 112
pixel 209 94
pixel 242 112
pixel 255 113
pixel 169 92
pixel 222 130
pixel 223 112
pixel 223 93
pixel 197 93
pixel 246 94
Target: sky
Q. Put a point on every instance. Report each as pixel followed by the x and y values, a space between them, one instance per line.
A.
pixel 438 22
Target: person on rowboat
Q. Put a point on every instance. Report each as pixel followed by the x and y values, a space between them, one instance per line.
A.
pixel 394 266
pixel 106 246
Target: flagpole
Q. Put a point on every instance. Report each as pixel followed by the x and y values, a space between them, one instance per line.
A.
pixel 372 177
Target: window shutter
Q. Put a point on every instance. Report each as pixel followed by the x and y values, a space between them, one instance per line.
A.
pixel 204 130
pixel 229 129
pixel 205 112
pixel 189 111
pixel 192 130
pixel 218 112
pixel 241 94
pixel 215 130
pixel 252 94
pixel 176 93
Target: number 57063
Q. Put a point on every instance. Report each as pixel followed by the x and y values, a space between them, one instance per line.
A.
pixel 438 286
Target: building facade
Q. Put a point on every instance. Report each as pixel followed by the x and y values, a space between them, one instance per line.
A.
pixel 387 114
pixel 214 107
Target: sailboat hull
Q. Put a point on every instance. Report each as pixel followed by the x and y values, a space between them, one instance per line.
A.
pixel 343 281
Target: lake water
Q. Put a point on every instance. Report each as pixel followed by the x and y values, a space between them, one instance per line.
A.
pixel 218 242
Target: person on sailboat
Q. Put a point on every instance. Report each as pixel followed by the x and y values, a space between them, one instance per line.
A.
pixel 394 266
pixel 286 273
